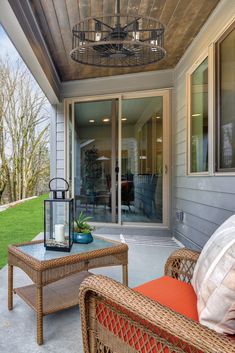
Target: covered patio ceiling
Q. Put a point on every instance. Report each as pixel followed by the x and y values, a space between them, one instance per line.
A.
pixel 51 22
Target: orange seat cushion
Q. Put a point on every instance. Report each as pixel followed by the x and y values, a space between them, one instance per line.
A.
pixel 176 295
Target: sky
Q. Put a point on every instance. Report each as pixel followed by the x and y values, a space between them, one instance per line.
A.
pixel 7 48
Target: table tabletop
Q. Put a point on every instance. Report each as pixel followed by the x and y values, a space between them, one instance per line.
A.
pixel 36 256
pixel 39 252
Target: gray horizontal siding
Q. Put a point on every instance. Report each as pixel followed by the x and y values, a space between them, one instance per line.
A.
pixel 181 159
pixel 60 143
pixel 60 154
pixel 60 126
pixel 214 198
pixel 60 136
pixel 223 184
pixel 180 147
pixel 193 234
pixel 180 124
pixel 181 136
pixel 206 227
pixel 57 142
pixel 206 201
pixel 179 170
pixel 211 214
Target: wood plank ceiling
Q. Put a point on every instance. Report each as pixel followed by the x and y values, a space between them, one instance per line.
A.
pixel 183 19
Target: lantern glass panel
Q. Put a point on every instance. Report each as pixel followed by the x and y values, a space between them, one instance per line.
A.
pixel 58 224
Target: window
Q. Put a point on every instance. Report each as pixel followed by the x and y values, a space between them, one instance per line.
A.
pixel 226 101
pixel 198 119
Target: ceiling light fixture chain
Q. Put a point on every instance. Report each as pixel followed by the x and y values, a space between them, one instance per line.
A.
pixel 118 40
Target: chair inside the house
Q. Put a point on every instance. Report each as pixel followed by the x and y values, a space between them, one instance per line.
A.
pixel 190 309
pixel 127 193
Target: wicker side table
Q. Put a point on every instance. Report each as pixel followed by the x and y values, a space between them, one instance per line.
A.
pixel 57 276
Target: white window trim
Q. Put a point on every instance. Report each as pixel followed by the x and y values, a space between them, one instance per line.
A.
pixel 215 126
pixel 200 59
pixel 212 134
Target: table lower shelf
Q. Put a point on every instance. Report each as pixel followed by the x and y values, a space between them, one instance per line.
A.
pixel 57 296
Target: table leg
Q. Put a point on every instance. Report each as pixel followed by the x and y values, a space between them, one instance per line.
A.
pixel 40 315
pixel 125 275
pixel 10 287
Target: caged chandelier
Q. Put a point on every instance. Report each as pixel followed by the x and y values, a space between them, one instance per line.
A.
pixel 118 40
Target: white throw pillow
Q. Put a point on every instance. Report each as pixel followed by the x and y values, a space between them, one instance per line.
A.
pixel 214 280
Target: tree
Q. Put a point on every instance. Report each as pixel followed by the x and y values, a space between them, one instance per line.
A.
pixel 24 160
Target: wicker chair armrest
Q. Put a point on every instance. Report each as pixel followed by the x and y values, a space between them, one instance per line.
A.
pixel 181 264
pixel 147 317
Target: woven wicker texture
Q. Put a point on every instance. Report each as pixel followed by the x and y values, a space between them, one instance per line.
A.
pixel 117 248
pixel 58 296
pixel 116 319
pixel 181 264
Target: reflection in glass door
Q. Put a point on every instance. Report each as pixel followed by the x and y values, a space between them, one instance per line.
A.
pixel 142 160
pixel 95 158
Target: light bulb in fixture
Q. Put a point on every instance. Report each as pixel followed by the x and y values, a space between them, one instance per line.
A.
pixel 106 120
pixel 153 43
pixel 154 40
pixel 124 119
pixel 97 31
pixel 136 33
pixel 82 42
pixel 91 121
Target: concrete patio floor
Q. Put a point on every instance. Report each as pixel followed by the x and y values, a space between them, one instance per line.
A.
pixel 62 334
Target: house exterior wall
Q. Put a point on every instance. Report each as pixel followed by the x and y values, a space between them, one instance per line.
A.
pixel 205 200
pixel 94 87
pixel 57 141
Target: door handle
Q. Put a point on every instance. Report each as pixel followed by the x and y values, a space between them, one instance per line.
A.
pixel 166 169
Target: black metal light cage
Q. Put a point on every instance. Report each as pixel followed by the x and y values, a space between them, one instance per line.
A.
pixel 51 208
pixel 118 41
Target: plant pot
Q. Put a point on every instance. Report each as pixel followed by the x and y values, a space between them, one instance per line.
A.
pixel 82 238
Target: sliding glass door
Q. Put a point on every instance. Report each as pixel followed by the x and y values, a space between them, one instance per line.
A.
pixel 142 160
pixel 95 155
pixel 117 158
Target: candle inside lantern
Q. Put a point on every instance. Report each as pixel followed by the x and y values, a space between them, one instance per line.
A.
pixel 59 233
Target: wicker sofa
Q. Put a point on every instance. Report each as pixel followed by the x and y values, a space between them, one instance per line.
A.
pixel 117 319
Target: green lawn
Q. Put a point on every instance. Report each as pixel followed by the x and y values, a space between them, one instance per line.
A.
pixel 20 223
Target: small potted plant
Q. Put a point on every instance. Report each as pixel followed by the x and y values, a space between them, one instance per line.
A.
pixel 82 230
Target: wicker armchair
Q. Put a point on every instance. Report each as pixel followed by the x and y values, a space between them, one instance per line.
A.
pixel 138 324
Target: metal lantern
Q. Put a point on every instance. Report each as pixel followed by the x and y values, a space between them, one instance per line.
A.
pixel 58 219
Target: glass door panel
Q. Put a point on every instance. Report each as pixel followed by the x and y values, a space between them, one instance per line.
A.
pixel 95 150
pixel 142 160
